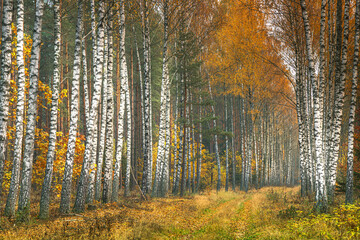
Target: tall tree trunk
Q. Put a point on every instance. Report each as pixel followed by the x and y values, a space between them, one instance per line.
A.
pixel 67 180
pixel 128 139
pixel 6 40
pixel 216 145
pixel 96 166
pixel 164 116
pixel 321 196
pixel 123 81
pixel 24 198
pixel 147 171
pixel 128 106
pixel 184 145
pixel 164 186
pixel 176 135
pixel 200 148
pixel 249 124
pixel 109 147
pixel 141 92
pixel 84 175
pixel 46 187
pixel 226 146
pixel 233 144
pixel 350 153
pixel 193 145
pixel 15 174
pixel 339 103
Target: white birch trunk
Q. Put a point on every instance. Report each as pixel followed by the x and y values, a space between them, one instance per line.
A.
pixel 216 145
pixel 147 171
pixel 350 153
pixel 163 127
pixel 233 145
pixel 123 82
pixel 226 147
pixel 24 198
pixel 6 40
pixel 339 104
pixel 84 175
pixel 74 117
pixel 321 196
pixel 15 174
pixel 97 161
pixel 46 187
pixel 109 148
pixel 165 174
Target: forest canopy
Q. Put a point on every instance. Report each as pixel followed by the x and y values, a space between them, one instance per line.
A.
pixel 104 100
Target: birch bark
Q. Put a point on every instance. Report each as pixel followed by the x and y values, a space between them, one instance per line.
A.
pixel 164 121
pixel 24 197
pixel 15 174
pixel 109 151
pixel 84 175
pixel 339 104
pixel 6 40
pixel 67 180
pixel 350 153
pixel 123 81
pixel 321 196
pixel 216 145
pixel 51 155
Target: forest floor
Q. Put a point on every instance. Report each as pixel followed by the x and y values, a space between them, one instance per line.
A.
pixel 268 213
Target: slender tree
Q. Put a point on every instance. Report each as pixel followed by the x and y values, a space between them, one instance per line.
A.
pixel 84 175
pixel 161 154
pixel 20 106
pixel 350 153
pixel 321 196
pixel 46 187
pixel 123 80
pixel 147 171
pixel 6 39
pixel 109 151
pixel 24 197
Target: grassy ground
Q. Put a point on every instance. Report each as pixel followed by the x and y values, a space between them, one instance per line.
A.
pixel 269 213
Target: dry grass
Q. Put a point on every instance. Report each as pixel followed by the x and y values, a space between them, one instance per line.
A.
pixel 268 213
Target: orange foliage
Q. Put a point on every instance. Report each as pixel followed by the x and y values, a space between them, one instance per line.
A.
pixel 41 135
pixel 242 56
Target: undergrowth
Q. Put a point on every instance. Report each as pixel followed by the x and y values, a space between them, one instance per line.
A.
pixel 268 213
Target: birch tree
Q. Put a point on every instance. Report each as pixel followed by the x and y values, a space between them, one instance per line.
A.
pixel 161 154
pixel 109 151
pixel 128 109
pixel 20 106
pixel 338 105
pixel 46 187
pixel 321 196
pixel 6 39
pixel 350 153
pixel 24 197
pixel 97 166
pixel 84 175
pixel 67 179
pixel 123 80
pixel 216 145
pixel 147 171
